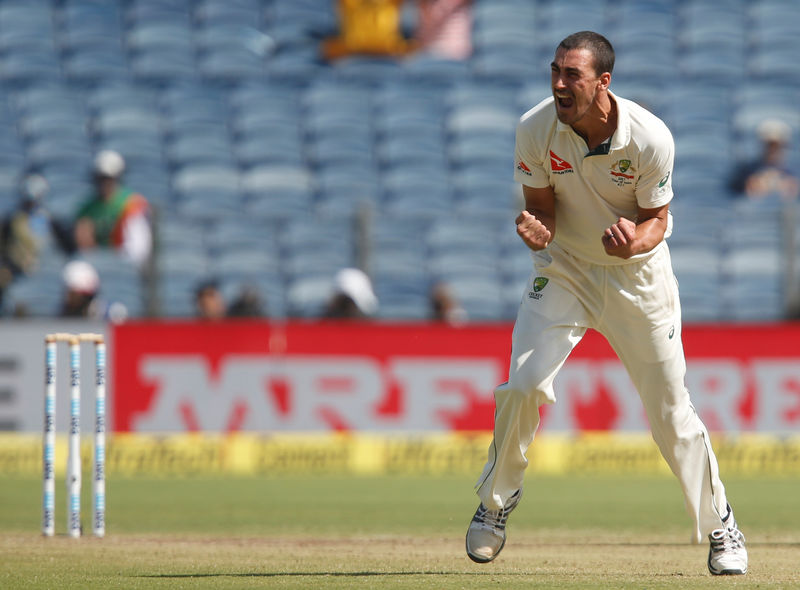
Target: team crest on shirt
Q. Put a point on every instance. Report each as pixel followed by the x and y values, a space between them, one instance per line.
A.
pixel 622 172
pixel 539 283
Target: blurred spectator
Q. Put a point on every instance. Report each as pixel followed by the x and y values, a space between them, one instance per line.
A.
pixel 445 307
pixel 113 215
pixel 768 174
pixel 26 231
pixel 368 27
pixel 81 286
pixel 444 28
pixel 353 296
pixel 81 297
pixel 247 304
pixel 208 301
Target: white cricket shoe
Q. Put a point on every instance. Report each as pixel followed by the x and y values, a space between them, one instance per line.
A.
pixel 486 534
pixel 727 555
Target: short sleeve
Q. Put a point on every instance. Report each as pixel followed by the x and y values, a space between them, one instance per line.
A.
pixel 529 167
pixel 654 186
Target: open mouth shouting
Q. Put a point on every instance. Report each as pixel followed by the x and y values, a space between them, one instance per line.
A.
pixel 564 102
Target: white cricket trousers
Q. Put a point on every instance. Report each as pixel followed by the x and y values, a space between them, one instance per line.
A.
pixel 635 306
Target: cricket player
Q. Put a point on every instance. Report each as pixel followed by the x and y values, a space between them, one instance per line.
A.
pixel 596 173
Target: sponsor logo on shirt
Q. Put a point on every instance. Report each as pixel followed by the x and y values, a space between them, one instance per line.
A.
pixel 559 165
pixel 523 168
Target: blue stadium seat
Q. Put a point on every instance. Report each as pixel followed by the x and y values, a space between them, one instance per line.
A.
pixel 38 295
pixel 409 148
pixel 199 177
pixel 480 296
pixel 230 64
pixel 177 292
pixel 306 296
pixel 347 194
pixel 556 20
pixel 155 12
pixel 330 230
pixel 471 261
pixel 274 189
pixel 120 281
pixel 162 65
pixel 244 261
pixel 775 62
pixel 309 17
pixel 204 204
pixel 127 118
pixel 96 63
pixel 236 232
pixel 480 119
pixel 424 67
pixel 228 12
pixel 172 232
pixel 402 296
pixel 370 70
pixel 26 26
pixel 275 97
pixel 493 149
pixel 410 188
pixel 270 144
pixel 183 261
pixel 28 65
pixel 121 94
pixel 189 150
pixel 751 275
pixel 305 252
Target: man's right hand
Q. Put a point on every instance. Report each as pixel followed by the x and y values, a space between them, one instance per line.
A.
pixel 532 231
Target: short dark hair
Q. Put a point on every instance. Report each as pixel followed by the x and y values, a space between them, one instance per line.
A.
pixel 599 46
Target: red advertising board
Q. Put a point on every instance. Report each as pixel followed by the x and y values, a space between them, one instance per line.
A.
pixel 309 376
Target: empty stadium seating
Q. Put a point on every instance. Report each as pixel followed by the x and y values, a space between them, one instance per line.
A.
pixel 258 156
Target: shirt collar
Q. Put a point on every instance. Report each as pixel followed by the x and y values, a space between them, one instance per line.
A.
pixel 622 135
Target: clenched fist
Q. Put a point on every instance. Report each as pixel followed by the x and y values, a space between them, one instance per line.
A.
pixel 532 231
pixel 618 239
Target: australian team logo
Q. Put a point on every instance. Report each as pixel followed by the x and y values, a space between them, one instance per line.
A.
pixel 539 283
pixel 622 172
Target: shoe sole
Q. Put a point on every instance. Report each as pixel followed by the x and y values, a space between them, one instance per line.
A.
pixel 732 572
pixel 725 572
pixel 478 558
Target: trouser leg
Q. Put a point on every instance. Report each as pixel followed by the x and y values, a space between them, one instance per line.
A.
pixel 682 439
pixel 539 350
pixel 647 339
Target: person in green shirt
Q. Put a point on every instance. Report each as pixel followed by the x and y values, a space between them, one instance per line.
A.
pixel 114 216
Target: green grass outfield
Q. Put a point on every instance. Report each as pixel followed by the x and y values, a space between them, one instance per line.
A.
pixel 389 532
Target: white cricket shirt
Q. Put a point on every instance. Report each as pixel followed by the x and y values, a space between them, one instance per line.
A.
pixel 594 189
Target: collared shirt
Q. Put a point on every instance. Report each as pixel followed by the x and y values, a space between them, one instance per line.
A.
pixel 594 188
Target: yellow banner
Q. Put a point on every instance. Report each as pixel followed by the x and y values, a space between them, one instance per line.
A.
pixel 371 454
